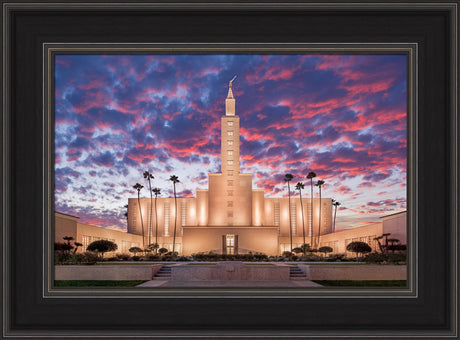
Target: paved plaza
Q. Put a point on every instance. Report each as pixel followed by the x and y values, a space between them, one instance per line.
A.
pixel 229 283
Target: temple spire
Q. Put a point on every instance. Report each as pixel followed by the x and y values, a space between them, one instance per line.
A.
pixel 230 101
pixel 230 93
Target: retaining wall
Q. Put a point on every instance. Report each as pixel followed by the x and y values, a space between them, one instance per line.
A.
pixel 230 271
pixel 106 272
pixel 355 272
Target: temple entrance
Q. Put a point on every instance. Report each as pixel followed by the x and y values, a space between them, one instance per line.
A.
pixel 230 244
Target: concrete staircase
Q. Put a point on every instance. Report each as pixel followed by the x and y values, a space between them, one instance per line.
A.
pixel 296 273
pixel 163 274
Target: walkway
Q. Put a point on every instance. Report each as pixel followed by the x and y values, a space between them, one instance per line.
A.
pixel 230 283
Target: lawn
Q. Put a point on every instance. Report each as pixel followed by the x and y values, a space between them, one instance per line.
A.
pixel 131 263
pixel 97 283
pixel 363 283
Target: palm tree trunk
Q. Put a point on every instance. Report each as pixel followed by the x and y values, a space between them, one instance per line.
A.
pixel 319 222
pixel 175 219
pixel 142 221
pixel 311 213
pixel 156 221
pixel 150 220
pixel 289 211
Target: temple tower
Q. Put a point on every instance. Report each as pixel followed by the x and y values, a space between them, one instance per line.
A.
pixel 230 137
pixel 230 192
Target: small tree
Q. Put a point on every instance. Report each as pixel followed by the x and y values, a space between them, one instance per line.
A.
pixel 359 247
pixel 297 250
pixel 397 247
pixel 305 248
pixel 135 250
pixel 77 244
pixel 68 245
pixel 162 251
pixel 68 239
pixel 102 246
pixel 325 250
pixel 64 247
pixel 154 247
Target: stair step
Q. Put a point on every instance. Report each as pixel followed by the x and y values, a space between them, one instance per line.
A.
pixel 163 274
pixel 296 273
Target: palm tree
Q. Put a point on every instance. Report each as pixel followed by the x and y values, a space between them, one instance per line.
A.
pixel 126 213
pixel 319 184
pixel 157 192
pixel 299 186
pixel 138 187
pixel 335 204
pixel 175 180
pixel 386 240
pixel 149 177
pixel 378 241
pixel 288 178
pixel 310 176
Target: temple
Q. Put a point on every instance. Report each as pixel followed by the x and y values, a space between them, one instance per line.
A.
pixel 230 216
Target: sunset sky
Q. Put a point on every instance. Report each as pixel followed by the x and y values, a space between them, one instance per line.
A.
pixel 341 116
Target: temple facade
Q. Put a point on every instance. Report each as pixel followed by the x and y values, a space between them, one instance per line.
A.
pixel 230 216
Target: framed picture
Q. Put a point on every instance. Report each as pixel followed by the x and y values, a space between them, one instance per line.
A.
pixel 209 217
pixel 40 39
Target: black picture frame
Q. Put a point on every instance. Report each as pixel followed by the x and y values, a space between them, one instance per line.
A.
pixel 430 312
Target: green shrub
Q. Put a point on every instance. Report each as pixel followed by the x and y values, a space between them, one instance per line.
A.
pixel 376 258
pixel 228 257
pixel 123 257
pixel 336 258
pixel 183 258
pixel 89 258
pixel 397 258
pixel 385 258
pixel 260 257
pixel 73 259
pixel 136 258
